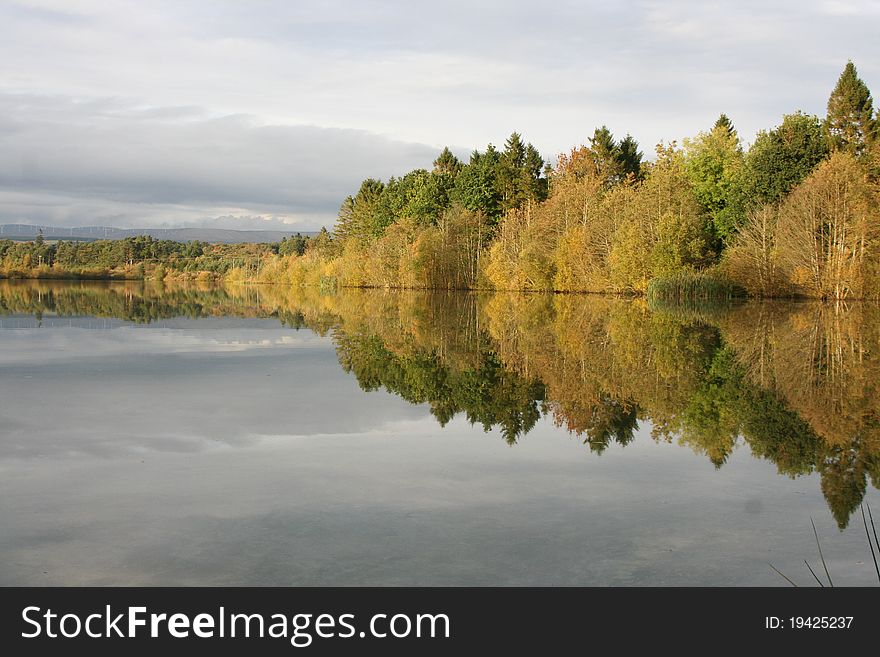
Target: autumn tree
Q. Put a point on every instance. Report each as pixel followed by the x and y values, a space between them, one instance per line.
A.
pixel 751 260
pixel 448 255
pixel 591 218
pixel 828 229
pixel 666 232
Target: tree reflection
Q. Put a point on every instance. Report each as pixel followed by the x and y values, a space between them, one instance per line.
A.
pixel 797 383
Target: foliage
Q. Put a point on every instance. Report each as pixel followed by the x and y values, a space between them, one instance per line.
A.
pixel 827 231
pixel 667 232
pixel 605 159
pixel 850 125
pixel 132 257
pixel 714 161
pixel 689 286
pixel 781 158
pixel 752 259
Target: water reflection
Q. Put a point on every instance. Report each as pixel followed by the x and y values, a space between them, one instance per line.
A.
pixel 798 383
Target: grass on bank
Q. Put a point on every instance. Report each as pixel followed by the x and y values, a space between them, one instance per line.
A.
pixel 693 286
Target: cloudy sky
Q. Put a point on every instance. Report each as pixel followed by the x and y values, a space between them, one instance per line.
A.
pixel 253 114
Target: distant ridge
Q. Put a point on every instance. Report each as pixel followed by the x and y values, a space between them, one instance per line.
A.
pixel 91 233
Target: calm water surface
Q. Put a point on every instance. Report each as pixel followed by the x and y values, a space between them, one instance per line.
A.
pixel 260 436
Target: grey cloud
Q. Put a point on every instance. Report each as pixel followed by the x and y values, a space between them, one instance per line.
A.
pixel 111 160
pixel 248 222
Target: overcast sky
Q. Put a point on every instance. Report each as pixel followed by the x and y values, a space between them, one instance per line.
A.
pixel 252 114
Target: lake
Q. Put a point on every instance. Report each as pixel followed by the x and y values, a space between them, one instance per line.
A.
pixel 155 435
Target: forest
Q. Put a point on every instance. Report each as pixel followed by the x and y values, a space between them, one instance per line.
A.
pixel 794 214
pixel 137 258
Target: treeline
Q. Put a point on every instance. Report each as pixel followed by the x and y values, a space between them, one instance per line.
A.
pixel 797 213
pixel 141 257
pixel 794 214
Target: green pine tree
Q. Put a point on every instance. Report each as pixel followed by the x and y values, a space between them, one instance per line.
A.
pixel 850 124
pixel 447 164
pixel 630 157
pixel 725 122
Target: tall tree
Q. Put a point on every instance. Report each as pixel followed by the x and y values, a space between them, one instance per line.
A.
pixel 519 178
pixel 421 196
pixel 605 155
pixel 476 187
pixel 713 161
pixel 850 124
pixel 446 169
pixel 630 157
pixel 360 216
pixel 535 173
pixel 447 164
pixel 725 123
pixel 322 243
pixel 345 219
pixel 604 159
pixel 512 183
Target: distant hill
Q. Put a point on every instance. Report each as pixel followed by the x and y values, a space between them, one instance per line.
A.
pixel 91 233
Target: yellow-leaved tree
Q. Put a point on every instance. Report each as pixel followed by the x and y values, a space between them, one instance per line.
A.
pixel 828 230
pixel 665 231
